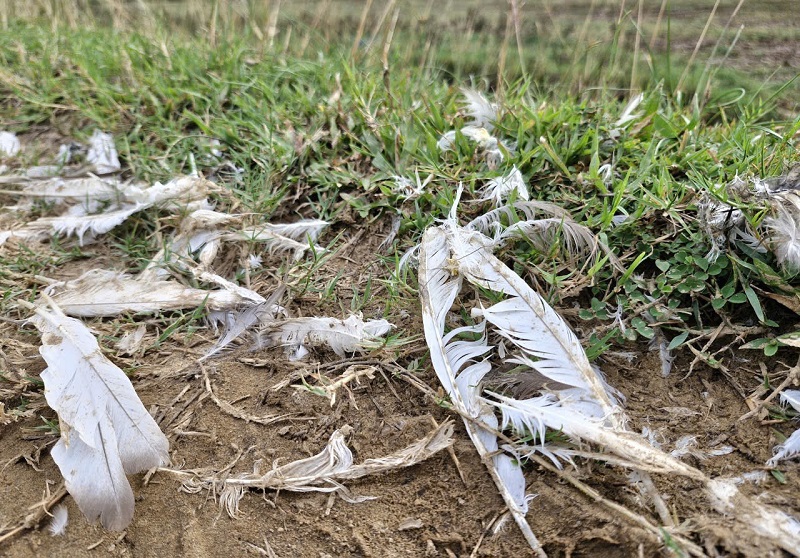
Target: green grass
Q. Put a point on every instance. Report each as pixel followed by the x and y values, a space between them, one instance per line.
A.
pixel 320 134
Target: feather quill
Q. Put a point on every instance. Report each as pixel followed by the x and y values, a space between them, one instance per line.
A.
pixel 106 432
pixel 322 472
pixel 274 241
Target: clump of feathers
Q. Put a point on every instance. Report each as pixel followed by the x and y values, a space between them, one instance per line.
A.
pixel 725 223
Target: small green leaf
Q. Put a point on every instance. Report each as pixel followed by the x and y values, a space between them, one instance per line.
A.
pixel 677 341
pixel 718 303
pixel 779 476
pixel 771 348
pixel 754 302
pixel 662 265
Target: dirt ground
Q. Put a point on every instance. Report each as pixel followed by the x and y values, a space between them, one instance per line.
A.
pixel 424 510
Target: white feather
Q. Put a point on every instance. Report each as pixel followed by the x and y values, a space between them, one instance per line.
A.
pixel 94 225
pixel 9 144
pixel 458 366
pixel 774 525
pixel 627 115
pixel 58 525
pixel 301 230
pixel 500 188
pixel 100 292
pixel 106 432
pixel 129 343
pixel 784 237
pixel 483 113
pixel 274 241
pixel 183 189
pixel 530 210
pixel 63 190
pixel 237 323
pixel 578 241
pixel 527 320
pixel 102 153
pixel 791 447
pixel 341 336
pixel 477 134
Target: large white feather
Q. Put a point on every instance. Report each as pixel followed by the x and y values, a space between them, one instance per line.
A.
pixel 527 320
pixel 457 365
pixel 106 432
pixel 101 292
pixel 63 190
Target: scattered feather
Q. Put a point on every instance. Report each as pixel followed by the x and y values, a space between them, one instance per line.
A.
pixel 239 322
pixel 784 237
pixel 791 447
pixel 302 230
pixel 93 225
pixel 274 242
pixel 628 115
pixel 129 343
pixel 73 190
pixel 102 153
pixel 577 240
pixel 106 432
pixel 500 188
pixel 9 144
pixel 254 261
pixel 101 292
pixel 459 367
pixel 323 472
pixel 771 524
pixel 505 215
pixel 341 336
pixel 58 525
pixel 483 113
pixel 408 188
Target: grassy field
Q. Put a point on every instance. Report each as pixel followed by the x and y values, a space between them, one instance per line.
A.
pixel 333 110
